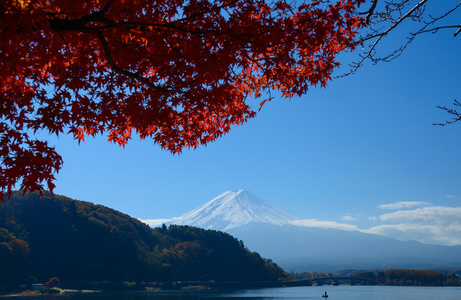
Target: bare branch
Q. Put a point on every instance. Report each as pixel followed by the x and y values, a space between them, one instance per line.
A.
pixel 394 14
pixel 457 31
pixel 370 11
pixel 451 111
pixel 383 34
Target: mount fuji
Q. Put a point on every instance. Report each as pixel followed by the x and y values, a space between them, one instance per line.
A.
pixel 234 209
pixel 277 235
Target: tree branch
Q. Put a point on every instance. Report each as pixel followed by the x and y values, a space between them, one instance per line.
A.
pixel 451 111
pixel 106 7
pixel 115 68
pixel 383 34
pixel 370 11
pixel 457 31
pixel 59 24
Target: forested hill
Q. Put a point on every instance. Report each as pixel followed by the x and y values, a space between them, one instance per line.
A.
pixel 76 240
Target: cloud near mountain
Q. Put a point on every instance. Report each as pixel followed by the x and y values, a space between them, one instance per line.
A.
pixel 301 223
pixel 401 205
pixel 324 224
pixel 431 225
pixel 158 222
pixel 418 221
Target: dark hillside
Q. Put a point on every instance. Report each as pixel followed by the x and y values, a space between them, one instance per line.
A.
pixel 77 240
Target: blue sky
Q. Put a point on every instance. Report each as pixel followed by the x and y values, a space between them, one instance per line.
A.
pixel 361 153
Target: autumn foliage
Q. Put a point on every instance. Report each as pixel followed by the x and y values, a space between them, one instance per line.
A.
pixel 179 72
pixel 53 282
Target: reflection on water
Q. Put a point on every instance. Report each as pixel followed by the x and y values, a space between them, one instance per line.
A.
pixel 289 293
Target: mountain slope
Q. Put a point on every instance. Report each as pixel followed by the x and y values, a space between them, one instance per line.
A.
pixel 234 209
pixel 268 230
pixel 77 240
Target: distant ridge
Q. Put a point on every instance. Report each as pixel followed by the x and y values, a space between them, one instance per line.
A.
pixel 233 209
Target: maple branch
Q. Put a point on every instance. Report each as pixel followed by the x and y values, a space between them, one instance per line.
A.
pixel 143 26
pixel 115 68
pixel 208 11
pixel 79 25
pixel 370 11
pixel 145 80
pixel 141 78
pixel 106 7
pixel 58 24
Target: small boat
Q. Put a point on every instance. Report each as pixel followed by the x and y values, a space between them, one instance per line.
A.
pixel 325 295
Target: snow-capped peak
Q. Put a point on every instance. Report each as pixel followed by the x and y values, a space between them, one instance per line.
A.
pixel 233 209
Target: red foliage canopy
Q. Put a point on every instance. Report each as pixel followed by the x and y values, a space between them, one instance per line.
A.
pixel 172 70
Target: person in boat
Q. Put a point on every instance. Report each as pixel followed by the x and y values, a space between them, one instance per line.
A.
pixel 325 295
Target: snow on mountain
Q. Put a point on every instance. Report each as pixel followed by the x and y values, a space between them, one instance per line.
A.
pixel 234 209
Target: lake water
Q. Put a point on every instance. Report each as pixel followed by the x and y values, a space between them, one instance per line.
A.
pixel 342 292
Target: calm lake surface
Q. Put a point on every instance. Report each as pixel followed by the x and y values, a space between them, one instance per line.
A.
pixel 343 292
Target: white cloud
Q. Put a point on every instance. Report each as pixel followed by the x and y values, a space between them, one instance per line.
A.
pixel 324 224
pixel 428 234
pixel 348 217
pixel 157 222
pixel 435 214
pixel 403 205
pixel 450 196
pixel 431 225
pixel 373 218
